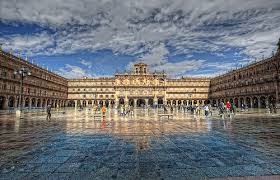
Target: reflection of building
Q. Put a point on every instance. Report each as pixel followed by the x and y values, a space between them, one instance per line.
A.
pixel 41 88
pixel 256 85
pixel 139 87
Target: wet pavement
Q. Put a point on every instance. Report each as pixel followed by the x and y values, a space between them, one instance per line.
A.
pixel 77 145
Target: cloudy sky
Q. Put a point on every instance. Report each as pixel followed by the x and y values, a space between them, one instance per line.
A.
pixel 77 38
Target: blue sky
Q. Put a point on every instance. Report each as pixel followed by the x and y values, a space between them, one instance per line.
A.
pixel 98 37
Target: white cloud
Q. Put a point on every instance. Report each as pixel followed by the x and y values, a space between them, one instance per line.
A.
pixel 145 28
pixel 70 71
pixel 86 63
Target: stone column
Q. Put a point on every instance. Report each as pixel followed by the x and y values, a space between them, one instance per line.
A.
pixel 251 102
pixel 187 102
pixel 6 103
pixel 135 102
pixel 176 102
pixel 259 102
pixel 41 103
pixel 239 102
pixel 146 102
pixel 155 101
pixel 76 103
pixel 30 103
pixel 192 102
pixel 86 103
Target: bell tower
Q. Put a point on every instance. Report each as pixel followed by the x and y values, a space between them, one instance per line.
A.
pixel 141 68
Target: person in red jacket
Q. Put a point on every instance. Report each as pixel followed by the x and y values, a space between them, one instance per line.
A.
pixel 228 106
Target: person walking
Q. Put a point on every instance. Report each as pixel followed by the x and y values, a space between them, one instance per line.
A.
pixel 49 107
pixel 104 110
pixel 228 107
pixel 206 110
pixel 234 108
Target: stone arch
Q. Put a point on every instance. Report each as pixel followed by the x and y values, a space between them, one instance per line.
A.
pixel 248 102
pixel 84 103
pixel 160 101
pixel 71 103
pixel 140 102
pixel 179 102
pixel 168 102
pixel 263 102
pixel 174 102
pixel 121 101
pixel 185 102
pixel 26 102
pixel 33 102
pixel 271 99
pixel 194 102
pixel 255 102
pixel 151 102
pixel 38 102
pixel 48 102
pixel 107 103
pixel 131 102
pixel 11 102
pixel 90 102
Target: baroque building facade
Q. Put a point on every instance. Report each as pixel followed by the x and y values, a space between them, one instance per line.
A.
pixel 256 85
pixel 137 88
pixel 41 88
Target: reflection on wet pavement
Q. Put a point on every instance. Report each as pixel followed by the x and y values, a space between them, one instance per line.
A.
pixel 74 145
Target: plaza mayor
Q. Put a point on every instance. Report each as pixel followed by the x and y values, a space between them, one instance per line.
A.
pixel 140 90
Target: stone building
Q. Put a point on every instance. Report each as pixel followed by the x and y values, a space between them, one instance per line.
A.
pixel 42 87
pixel 137 88
pixel 256 85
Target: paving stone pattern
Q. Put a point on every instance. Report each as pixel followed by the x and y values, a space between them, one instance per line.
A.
pixel 75 146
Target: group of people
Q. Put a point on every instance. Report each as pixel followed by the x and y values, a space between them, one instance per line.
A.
pixel 228 108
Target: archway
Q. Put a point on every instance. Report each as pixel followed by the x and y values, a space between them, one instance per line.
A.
pixel 71 103
pixel 271 100
pixel 160 101
pixel 174 102
pixel 26 103
pixel 168 102
pixel 150 102
pixel 236 102
pixel 248 102
pixel 33 102
pixel 255 102
pixel 100 103
pixel 179 103
pixel 194 102
pixel 107 103
pixel 38 102
pixel 141 103
pixel 121 101
pixel 262 102
pixel 11 102
pixel 2 102
pixel 131 102
pixel 112 103
pixel 90 102
pixel 84 103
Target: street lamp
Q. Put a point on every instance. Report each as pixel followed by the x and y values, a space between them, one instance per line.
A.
pixel 23 72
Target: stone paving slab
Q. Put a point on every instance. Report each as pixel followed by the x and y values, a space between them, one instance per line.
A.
pixel 72 146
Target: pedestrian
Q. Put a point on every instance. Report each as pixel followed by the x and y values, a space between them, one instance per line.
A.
pixel 234 108
pixel 206 110
pixel 49 112
pixel 104 110
pixel 228 107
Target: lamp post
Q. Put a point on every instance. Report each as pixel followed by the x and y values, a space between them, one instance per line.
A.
pixel 23 72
